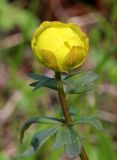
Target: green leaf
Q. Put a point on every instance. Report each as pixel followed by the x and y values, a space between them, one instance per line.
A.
pixel 40 84
pixel 77 83
pixel 89 120
pixel 52 84
pixel 60 138
pixel 74 89
pixel 39 139
pixel 68 137
pixel 33 84
pixel 73 146
pixel 49 84
pixel 81 77
pixel 42 81
pixel 38 77
pixel 45 120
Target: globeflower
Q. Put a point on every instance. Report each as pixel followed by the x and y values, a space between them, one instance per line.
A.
pixel 60 46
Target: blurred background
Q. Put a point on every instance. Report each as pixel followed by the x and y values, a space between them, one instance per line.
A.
pixel 18 20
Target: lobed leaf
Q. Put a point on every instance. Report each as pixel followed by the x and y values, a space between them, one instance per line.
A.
pixel 89 120
pixel 38 77
pixel 68 137
pixel 77 83
pixel 83 76
pixel 42 81
pixel 73 146
pixel 40 84
pixel 74 89
pixel 39 139
pixel 46 120
pixel 60 138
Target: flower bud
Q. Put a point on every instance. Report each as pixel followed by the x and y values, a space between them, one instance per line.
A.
pixel 59 46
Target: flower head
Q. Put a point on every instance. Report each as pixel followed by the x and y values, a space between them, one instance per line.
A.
pixel 59 46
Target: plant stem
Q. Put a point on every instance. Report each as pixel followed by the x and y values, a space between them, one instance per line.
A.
pixel 65 108
pixel 62 98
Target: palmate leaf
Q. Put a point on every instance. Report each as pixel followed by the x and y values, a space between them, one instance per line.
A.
pixel 39 139
pixel 37 77
pixel 77 83
pixel 90 120
pixel 49 84
pixel 42 81
pixel 82 77
pixel 73 146
pixel 40 84
pixel 74 89
pixel 60 138
pixel 66 136
pixel 38 119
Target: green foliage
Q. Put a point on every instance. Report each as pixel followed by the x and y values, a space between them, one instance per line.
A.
pixel 75 83
pixel 45 120
pixel 42 81
pixel 39 139
pixel 66 136
pixel 72 146
pixel 80 82
pixel 89 120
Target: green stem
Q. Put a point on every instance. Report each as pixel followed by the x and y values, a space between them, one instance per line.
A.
pixel 62 98
pixel 65 108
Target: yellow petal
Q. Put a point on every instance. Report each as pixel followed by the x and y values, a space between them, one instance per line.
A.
pixel 65 43
pixel 74 58
pixel 47 59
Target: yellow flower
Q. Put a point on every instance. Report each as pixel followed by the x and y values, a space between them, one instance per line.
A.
pixel 59 46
